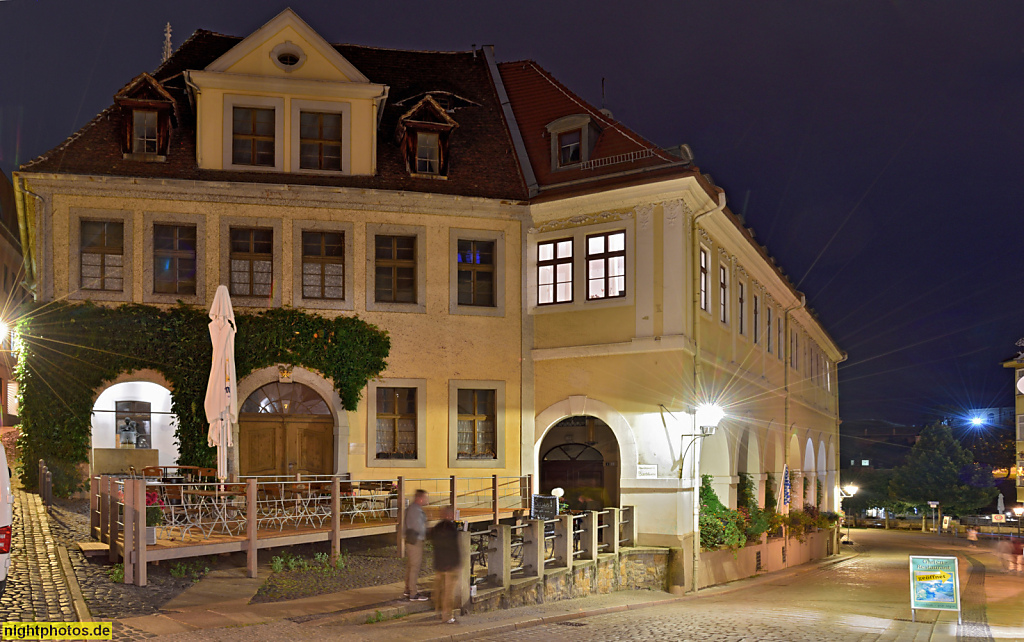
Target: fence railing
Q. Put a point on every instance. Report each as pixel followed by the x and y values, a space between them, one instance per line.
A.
pixel 529 548
pixel 203 516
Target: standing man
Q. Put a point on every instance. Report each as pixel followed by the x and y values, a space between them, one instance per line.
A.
pixel 447 563
pixel 415 533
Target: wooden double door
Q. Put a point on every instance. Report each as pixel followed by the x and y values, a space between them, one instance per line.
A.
pixel 285 444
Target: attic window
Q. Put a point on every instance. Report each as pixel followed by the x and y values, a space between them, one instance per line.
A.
pixel 427 153
pixel 569 148
pixel 572 140
pixel 288 56
pixel 144 131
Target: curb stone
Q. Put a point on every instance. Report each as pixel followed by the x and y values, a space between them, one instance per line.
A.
pixel 77 598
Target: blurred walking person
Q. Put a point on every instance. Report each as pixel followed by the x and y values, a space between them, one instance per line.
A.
pixel 447 564
pixel 415 533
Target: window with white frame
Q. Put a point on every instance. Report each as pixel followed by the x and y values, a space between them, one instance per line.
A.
pixel 703 279
pixel 554 272
pixel 741 316
pixel 606 265
pixel 428 153
pixel 723 294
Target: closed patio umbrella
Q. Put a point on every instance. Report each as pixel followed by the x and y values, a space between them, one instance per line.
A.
pixel 222 390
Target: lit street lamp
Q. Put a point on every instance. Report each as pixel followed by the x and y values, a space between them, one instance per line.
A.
pixel 846 492
pixel 705 418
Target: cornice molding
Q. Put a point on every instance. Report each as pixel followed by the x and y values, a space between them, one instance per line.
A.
pixel 580 221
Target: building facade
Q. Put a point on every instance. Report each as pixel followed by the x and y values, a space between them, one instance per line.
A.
pixel 1017 366
pixel 560 293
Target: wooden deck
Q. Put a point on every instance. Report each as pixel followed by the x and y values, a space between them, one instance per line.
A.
pixel 289 535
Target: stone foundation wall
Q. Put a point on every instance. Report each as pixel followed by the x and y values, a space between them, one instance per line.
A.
pixel 631 569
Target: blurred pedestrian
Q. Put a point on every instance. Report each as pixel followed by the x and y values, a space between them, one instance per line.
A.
pixel 447 565
pixel 1004 549
pixel 415 533
pixel 972 537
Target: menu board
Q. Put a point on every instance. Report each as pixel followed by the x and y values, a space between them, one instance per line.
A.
pixel 543 507
pixel 934 583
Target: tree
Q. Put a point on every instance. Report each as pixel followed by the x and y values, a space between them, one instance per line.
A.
pixel 940 469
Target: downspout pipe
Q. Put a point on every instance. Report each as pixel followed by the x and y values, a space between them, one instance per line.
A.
pixel 695 260
pixel 26 232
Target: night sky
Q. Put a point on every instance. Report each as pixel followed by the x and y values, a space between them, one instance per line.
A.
pixel 875 147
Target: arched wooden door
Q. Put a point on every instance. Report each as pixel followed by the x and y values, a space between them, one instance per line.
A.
pixel 285 429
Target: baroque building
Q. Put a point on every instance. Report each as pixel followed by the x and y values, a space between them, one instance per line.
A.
pixel 560 293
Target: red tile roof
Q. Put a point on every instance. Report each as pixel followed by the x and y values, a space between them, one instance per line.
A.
pixel 538 99
pixel 481 159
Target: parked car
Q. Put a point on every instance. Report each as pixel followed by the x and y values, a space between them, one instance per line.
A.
pixel 6 519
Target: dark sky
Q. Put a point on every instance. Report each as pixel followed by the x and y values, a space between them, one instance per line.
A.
pixel 875 147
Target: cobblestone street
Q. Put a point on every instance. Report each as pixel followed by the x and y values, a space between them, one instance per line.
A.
pixel 36 590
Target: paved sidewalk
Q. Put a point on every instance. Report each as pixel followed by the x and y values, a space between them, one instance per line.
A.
pixel 36 588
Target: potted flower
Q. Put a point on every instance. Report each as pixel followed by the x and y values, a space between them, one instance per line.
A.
pixel 154 515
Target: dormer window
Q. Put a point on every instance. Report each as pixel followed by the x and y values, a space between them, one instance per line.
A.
pixel 569 148
pixel 428 153
pixel 572 140
pixel 320 141
pixel 288 56
pixel 144 131
pixel 147 114
pixel 253 137
pixel 423 133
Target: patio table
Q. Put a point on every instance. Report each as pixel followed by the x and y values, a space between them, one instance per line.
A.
pixel 219 504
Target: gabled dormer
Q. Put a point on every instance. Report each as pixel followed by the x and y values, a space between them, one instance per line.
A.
pixel 423 134
pixel 147 116
pixel 284 100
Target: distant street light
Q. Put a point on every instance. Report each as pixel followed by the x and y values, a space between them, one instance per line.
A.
pixel 977 421
pixel 845 493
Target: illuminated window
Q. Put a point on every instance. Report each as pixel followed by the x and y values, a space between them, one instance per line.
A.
pixel 323 265
pixel 703 279
pixel 396 423
pixel 606 265
pixel 136 415
pixel 174 259
pixel 252 261
pixel 102 246
pixel 554 272
pixel 723 294
pixel 477 426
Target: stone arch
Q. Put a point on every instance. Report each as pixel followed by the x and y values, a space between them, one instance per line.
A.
pixel 810 473
pixel 158 421
pixel 716 460
pixel 322 386
pixel 579 405
pixel 748 460
pixel 145 374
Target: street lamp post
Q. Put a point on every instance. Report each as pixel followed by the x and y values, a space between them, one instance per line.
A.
pixel 845 493
pixel 1018 511
pixel 705 418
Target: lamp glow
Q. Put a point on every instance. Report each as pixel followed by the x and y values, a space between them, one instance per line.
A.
pixel 976 421
pixel 557 492
pixel 850 489
pixel 708 415
pixel 1018 511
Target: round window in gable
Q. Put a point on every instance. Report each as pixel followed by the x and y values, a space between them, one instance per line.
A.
pixel 288 56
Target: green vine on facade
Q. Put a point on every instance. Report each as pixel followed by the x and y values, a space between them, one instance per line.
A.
pixel 68 351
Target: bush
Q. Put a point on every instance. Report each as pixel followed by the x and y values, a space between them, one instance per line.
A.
pixel 719 526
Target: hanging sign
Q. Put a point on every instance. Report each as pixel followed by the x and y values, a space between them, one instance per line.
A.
pixel 998 518
pixel 934 583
